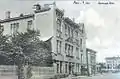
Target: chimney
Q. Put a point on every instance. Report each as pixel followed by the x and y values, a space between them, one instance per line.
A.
pixel 7 15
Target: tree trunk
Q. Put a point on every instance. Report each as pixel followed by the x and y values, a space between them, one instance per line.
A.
pixel 21 72
pixel 29 72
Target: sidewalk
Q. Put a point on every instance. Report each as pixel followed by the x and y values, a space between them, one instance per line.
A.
pixel 77 77
pixel 81 77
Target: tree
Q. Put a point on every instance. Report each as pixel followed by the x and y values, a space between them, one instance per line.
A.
pixel 25 48
pixel 3 46
pixel 34 51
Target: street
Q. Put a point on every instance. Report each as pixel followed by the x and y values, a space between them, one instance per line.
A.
pixel 104 76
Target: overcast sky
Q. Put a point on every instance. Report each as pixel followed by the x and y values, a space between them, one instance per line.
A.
pixel 102 22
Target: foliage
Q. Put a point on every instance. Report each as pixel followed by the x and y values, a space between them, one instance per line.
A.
pixel 25 48
pixel 3 45
pixel 36 51
pixel 28 46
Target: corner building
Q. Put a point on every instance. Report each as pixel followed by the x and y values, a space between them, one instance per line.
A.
pixel 68 39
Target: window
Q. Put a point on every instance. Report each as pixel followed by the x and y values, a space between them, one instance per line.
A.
pixel 59 27
pixel 66 48
pixel 69 31
pixel 58 46
pixel 76 34
pixel 66 68
pixel 81 41
pixel 81 57
pixel 77 52
pixel 60 67
pixel 77 41
pixel 57 68
pixel 83 29
pixel 14 28
pixel 66 28
pixel 29 24
pixel 77 67
pixel 69 50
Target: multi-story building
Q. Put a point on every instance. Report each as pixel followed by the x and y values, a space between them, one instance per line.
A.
pixel 112 63
pixel 68 39
pixel 91 61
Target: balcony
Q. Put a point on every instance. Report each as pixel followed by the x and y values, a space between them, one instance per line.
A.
pixel 69 56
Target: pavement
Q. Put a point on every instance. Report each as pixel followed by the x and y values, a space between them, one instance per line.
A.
pixel 98 76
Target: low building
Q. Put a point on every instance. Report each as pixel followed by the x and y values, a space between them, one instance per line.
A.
pixel 91 61
pixel 101 67
pixel 112 63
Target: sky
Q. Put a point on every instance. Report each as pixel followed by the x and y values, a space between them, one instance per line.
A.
pixel 102 22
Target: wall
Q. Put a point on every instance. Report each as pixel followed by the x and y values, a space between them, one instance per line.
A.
pixel 44 22
pixel 9 72
pixel 22 25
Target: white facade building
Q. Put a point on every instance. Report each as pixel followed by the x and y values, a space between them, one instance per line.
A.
pixel 113 63
pixel 68 39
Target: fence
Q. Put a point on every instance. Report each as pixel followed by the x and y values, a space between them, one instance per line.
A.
pixel 10 72
pixel 42 72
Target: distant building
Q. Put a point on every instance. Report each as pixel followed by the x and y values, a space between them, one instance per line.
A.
pixel 91 61
pixel 112 63
pixel 68 39
pixel 100 67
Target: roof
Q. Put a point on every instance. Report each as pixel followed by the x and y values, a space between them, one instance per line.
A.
pixel 72 23
pixel 112 58
pixel 24 16
pixel 46 38
pixel 60 11
pixel 43 10
pixel 17 18
pixel 88 49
